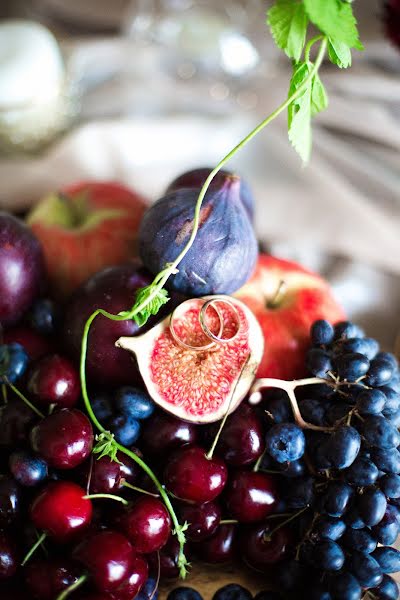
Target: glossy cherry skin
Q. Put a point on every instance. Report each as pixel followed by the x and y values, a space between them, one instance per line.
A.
pixel 34 344
pixel 54 380
pixel 146 524
pixel 259 551
pixel 61 510
pixel 250 496
pixel 167 558
pixel 164 433
pixel 64 438
pixel 220 548
pixel 191 476
pixel 10 501
pixel 242 438
pixel 8 556
pixel 203 520
pixel 107 476
pixel 131 586
pixel 60 574
pixel 108 557
pixel 16 421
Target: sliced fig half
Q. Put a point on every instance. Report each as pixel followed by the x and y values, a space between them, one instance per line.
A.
pixel 203 384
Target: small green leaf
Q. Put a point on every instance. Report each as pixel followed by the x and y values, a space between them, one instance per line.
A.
pixel 288 22
pixel 299 112
pixel 151 307
pixel 106 446
pixel 336 19
pixel 319 97
pixel 339 53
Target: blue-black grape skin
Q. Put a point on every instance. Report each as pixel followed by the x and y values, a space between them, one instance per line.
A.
pixel 360 540
pixel 387 589
pixel 388 559
pixel 233 591
pixel 366 569
pixel 322 332
pixel 372 506
pixel 371 402
pixel 345 587
pixel 390 485
pixel 380 433
pixel 362 472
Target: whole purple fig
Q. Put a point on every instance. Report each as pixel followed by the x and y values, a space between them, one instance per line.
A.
pixel 197 177
pixel 224 252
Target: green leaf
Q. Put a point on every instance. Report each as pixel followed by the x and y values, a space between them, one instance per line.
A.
pixel 299 112
pixel 288 22
pixel 106 446
pixel 335 19
pixel 339 53
pixel 319 97
pixel 152 306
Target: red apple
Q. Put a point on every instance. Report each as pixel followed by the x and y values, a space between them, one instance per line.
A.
pixel 85 228
pixel 286 299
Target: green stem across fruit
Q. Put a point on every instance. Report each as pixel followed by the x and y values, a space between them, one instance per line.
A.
pixel 74 586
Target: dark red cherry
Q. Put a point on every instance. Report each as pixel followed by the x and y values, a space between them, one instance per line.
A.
pixel 60 574
pixel 10 501
pixel 164 433
pixel 16 421
pixel 131 586
pixel 167 559
pixel 242 438
pixel 54 380
pixel 220 547
pixel 191 476
pixel 35 345
pixel 64 438
pixel 146 524
pixel 108 557
pixel 250 496
pixel 61 510
pixel 260 551
pixel 107 476
pixel 8 556
pixel 203 520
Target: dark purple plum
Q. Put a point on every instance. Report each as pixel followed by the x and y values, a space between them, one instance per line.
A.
pixel 21 268
pixel 197 177
pixel 224 252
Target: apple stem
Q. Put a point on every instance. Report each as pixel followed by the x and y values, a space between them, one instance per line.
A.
pixel 35 546
pixel 74 586
pixel 108 496
pixel 280 292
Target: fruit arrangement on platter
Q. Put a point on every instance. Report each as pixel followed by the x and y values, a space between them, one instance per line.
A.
pixel 204 404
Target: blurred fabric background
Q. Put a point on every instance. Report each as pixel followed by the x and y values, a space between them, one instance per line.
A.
pixel 167 85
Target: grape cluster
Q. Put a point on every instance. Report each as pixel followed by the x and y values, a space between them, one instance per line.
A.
pixel 341 483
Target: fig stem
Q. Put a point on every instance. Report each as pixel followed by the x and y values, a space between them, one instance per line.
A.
pixel 109 496
pixel 35 546
pixel 74 586
pixel 24 398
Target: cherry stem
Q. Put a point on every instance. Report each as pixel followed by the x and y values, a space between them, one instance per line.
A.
pixel 138 489
pixel 35 546
pixel 267 537
pixel 4 393
pixel 229 522
pixel 24 398
pixel 259 461
pixel 74 586
pixel 108 496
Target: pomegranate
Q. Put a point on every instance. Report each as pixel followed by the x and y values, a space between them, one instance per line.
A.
pixel 190 377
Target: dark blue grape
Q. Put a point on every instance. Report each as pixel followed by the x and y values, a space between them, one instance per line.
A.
pixel 232 591
pixel 313 410
pixel 380 372
pixel 296 468
pixel 149 591
pixel 395 419
pixel 345 587
pixel 27 469
pixel 318 592
pixel 387 590
pixel 318 362
pixel 388 559
pixel 285 442
pixel 102 406
pixel 336 499
pixel 388 459
pixel 372 506
pixel 380 433
pixel 346 330
pixel 351 366
pixel 390 358
pixel 390 485
pixel 299 492
pixel 387 530
pixel 335 412
pixel 366 346
pixel 184 593
pixel 276 406
pixel 126 430
pixel 362 472
pixel 392 404
pixel 13 362
pixel 134 403
pixel 44 316
pixel 291 575
pixel 359 540
pixel 322 333
pixel 366 569
pixel 370 402
pixel 342 447
pixel 328 556
pixel 329 528
pixel 352 519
